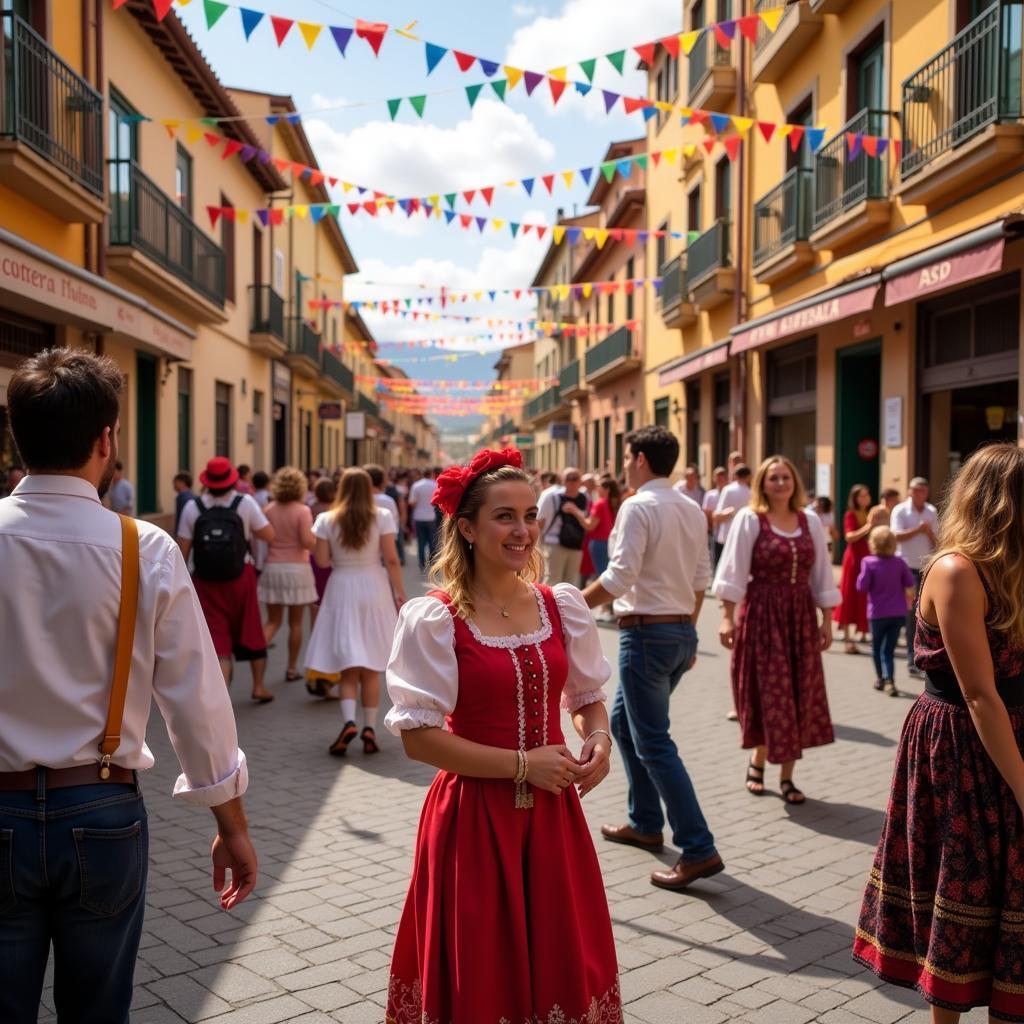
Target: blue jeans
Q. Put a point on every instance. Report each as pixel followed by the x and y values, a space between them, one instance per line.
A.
pixel 73 866
pixel 599 555
pixel 652 660
pixel 884 634
pixel 426 541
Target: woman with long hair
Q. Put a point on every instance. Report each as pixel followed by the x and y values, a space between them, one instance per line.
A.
pixel 776 569
pixel 852 609
pixel 944 908
pixel 287 577
pixel 357 616
pixel 506 917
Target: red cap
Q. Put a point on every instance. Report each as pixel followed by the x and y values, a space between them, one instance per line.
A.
pixel 219 474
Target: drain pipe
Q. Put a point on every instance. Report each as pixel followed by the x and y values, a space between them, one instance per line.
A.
pixel 102 232
pixel 740 405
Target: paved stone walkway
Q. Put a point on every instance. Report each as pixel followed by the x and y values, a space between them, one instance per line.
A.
pixel 768 941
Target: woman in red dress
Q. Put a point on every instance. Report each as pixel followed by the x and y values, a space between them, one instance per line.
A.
pixel 775 566
pixel 852 609
pixel 506 917
pixel 944 908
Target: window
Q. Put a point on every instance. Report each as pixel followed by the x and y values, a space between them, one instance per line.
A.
pixel 661 246
pixel 804 115
pixel 257 256
pixel 184 418
pixel 183 179
pixel 611 310
pixel 595 455
pixel 607 442
pixel 693 422
pixel 227 243
pixel 278 271
pixel 723 189
pixel 630 273
pixel 697 15
pixel 661 412
pixel 222 419
pixel 123 135
pixel 722 384
pixel 693 212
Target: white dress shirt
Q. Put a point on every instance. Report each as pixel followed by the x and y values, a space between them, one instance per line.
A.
pixel 734 495
pixel 905 517
pixel 59 597
pixel 420 497
pixel 733 573
pixel 423 673
pixel 658 553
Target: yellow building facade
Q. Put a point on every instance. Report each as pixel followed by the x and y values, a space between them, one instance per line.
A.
pixel 876 333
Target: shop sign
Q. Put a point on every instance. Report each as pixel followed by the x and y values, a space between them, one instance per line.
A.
pixel 805 320
pixel 697 363
pixel 933 277
pixel 67 298
pixel 329 410
pixel 868 449
pixel 894 422
pixel 862 329
pixel 282 383
pixel 523 440
pixel 355 426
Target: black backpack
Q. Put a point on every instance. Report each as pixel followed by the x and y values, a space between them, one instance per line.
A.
pixel 219 546
pixel 571 532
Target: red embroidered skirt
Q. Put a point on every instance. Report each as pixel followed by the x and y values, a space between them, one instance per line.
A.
pixel 944 908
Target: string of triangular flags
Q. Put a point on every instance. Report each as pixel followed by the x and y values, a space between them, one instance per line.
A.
pixel 411 384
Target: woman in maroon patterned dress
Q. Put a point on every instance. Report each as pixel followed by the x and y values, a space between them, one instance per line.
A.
pixel 776 568
pixel 944 908
pixel 852 609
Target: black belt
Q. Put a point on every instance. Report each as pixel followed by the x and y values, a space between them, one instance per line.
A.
pixel 944 686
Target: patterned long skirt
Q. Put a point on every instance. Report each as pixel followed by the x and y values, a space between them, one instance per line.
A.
pixel 944 908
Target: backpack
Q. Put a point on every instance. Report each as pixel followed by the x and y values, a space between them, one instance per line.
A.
pixel 219 546
pixel 570 532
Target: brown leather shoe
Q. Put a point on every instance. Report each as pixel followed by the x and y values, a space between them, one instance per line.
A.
pixel 628 836
pixel 684 873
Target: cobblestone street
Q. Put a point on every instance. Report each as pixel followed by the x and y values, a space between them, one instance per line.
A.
pixel 767 941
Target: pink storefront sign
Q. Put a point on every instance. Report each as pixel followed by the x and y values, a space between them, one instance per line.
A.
pixel 807 319
pixel 694 365
pixel 933 277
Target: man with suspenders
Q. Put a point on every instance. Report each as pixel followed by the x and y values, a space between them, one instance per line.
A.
pixel 98 617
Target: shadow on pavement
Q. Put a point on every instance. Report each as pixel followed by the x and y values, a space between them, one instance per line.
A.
pixel 854 734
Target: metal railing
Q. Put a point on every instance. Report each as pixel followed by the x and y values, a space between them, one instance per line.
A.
pixel 146 218
pixel 410 439
pixel 267 309
pixel 337 371
pixel 618 345
pixel 673 283
pixel 368 405
pixel 708 253
pixel 544 402
pixel 48 106
pixel 303 340
pixel 973 82
pixel 839 182
pixel 783 216
pixel 764 37
pixel 706 55
pixel 569 378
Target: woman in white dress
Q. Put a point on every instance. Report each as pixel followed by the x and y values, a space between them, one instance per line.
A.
pixel 357 618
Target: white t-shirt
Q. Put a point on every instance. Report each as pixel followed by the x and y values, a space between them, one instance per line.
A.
pixel 419 497
pixel 905 517
pixel 734 495
pixel 386 501
pixel 248 511
pixel 549 509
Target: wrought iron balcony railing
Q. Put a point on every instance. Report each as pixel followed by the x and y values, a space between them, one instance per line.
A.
pixel 840 183
pixel 267 310
pixel 783 216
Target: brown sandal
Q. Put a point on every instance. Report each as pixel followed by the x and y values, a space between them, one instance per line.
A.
pixel 755 777
pixel 369 738
pixel 790 793
pixel 345 737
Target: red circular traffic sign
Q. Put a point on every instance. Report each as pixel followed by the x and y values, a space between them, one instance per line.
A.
pixel 868 448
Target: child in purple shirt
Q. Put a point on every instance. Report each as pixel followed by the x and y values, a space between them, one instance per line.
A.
pixel 889 584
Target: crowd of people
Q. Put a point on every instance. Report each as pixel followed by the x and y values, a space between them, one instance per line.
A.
pixel 506 915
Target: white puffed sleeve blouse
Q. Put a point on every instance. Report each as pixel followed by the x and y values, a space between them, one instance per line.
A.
pixel 423 673
pixel 733 573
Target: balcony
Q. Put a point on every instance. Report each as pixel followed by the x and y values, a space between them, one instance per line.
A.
pixel 851 197
pixel 303 354
pixel 962 110
pixel 677 311
pixel 338 376
pixel 409 440
pixel 51 127
pixel 546 406
pixel 366 404
pixel 570 381
pixel 710 279
pixel 782 227
pixel 155 243
pixel 615 356
pixel 266 323
pixel 776 52
pixel 712 76
pixel 829 6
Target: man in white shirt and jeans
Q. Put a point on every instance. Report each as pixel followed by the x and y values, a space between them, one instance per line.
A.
pixel 658 568
pixel 557 505
pixel 733 497
pixel 73 844
pixel 915 524
pixel 424 516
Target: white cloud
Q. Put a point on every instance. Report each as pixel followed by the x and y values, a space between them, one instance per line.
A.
pixel 524 10
pixel 494 143
pixel 592 28
pixel 320 102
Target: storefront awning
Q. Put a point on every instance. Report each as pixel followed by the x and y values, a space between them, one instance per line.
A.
pixel 976 254
pixel 808 315
pixel 696 362
pixel 42 285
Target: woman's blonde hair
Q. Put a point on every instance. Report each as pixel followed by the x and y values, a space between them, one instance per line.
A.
pixel 288 484
pixel 882 541
pixel 355 511
pixel 452 570
pixel 759 500
pixel 983 520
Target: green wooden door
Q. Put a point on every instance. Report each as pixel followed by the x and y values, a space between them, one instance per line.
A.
pixel 145 419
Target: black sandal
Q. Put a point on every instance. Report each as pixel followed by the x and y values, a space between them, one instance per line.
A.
pixel 369 738
pixel 345 737
pixel 790 793
pixel 292 677
pixel 317 687
pixel 755 777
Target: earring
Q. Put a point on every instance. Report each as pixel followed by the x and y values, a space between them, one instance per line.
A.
pixel 470 545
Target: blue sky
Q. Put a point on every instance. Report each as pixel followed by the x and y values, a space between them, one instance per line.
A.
pixel 452 148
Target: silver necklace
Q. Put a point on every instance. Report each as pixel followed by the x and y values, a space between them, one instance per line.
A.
pixel 503 608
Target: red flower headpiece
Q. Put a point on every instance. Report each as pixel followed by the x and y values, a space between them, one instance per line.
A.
pixel 453 482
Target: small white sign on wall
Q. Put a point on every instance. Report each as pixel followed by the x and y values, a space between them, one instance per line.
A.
pixel 894 422
pixel 823 479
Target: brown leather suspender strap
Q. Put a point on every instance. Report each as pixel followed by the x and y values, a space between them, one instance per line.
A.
pixel 125 641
